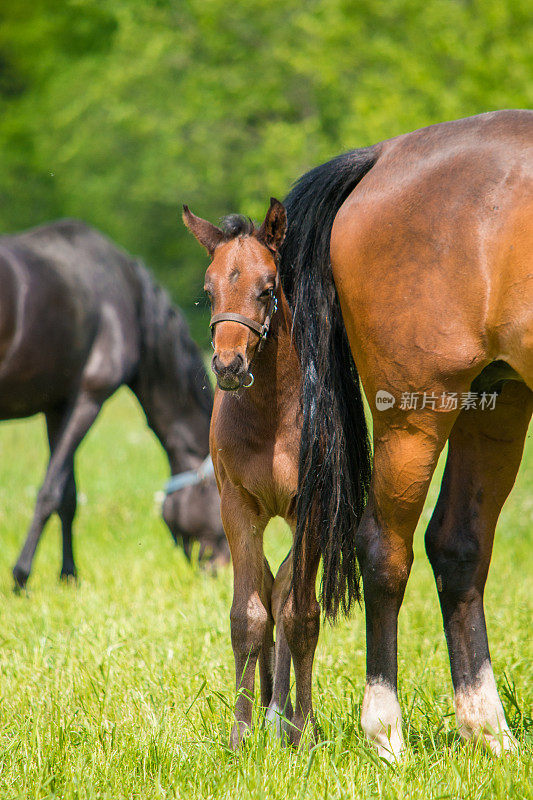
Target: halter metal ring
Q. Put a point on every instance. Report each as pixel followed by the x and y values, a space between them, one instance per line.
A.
pixel 247 385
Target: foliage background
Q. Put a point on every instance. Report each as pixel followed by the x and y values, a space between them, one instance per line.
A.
pixel 117 112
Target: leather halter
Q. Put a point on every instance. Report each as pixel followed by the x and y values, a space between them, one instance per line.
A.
pixel 261 330
pixel 192 477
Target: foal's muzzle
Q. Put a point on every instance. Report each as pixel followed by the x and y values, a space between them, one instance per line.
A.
pixel 237 375
pixel 231 375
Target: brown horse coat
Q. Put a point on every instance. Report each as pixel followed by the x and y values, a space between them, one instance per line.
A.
pixel 412 260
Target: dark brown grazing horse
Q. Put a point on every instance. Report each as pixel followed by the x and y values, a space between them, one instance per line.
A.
pixel 79 318
pixel 413 260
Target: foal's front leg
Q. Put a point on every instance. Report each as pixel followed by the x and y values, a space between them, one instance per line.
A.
pixel 301 623
pixel 249 616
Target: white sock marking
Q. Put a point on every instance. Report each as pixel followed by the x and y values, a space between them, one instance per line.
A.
pixel 381 720
pixel 479 713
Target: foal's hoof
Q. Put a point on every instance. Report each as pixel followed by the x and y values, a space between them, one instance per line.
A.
pixel 389 744
pixel 501 743
pixel 20 577
pixel 278 721
pixel 238 733
pixel 296 729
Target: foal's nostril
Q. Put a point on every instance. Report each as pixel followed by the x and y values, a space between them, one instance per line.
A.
pixel 236 365
pixel 233 366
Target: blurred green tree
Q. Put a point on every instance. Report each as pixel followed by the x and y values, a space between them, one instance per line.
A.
pixel 118 112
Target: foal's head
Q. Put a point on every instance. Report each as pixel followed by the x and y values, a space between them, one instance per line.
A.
pixel 241 283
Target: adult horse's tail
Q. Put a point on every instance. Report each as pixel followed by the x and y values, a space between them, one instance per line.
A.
pixel 335 457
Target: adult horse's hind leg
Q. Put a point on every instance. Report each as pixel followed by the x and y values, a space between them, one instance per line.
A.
pixel 485 449
pixel 75 425
pixel 406 450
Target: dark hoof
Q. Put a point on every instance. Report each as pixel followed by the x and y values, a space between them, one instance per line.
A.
pixel 296 730
pixel 211 560
pixel 20 576
pixel 68 577
pixel 294 735
pixel 209 567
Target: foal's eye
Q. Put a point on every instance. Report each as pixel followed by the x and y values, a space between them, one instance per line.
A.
pixel 208 295
pixel 266 294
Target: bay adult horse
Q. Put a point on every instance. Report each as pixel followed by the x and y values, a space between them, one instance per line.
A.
pixel 411 259
pixel 79 318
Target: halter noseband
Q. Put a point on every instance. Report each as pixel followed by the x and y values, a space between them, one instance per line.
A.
pixel 261 330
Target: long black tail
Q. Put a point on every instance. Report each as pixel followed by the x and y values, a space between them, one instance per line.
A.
pixel 335 455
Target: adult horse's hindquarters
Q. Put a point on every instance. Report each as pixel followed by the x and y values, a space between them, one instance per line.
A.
pixel 428 240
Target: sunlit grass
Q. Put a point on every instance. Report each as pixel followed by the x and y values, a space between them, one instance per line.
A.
pixel 122 686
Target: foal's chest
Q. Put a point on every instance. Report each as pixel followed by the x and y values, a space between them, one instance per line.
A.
pixel 260 457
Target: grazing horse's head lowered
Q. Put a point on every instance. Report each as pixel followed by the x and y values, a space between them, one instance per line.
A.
pixel 241 283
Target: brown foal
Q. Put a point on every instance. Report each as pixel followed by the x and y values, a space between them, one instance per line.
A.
pixel 255 442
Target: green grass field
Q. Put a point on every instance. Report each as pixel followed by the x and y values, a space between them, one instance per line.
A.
pixel 122 686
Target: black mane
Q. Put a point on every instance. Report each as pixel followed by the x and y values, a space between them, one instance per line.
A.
pixel 237 225
pixel 165 343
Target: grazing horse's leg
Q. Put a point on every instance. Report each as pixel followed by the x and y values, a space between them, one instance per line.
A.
pixel 67 512
pixel 280 704
pixel 251 622
pixel 406 450
pixel 485 450
pixel 76 424
pixel 301 622
pixel 68 504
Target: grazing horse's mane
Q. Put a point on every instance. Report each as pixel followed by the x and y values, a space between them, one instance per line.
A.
pixel 165 342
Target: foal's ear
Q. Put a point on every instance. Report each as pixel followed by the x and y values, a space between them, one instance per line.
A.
pixel 272 231
pixel 207 234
